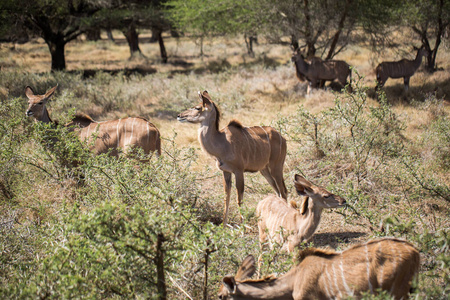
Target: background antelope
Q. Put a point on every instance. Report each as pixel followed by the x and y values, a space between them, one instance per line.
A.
pixel 280 220
pixel 319 69
pixel 239 149
pixel 386 264
pixel 122 133
pixel 396 69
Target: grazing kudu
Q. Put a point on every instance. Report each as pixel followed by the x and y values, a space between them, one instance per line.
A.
pixel 104 136
pixel 319 69
pixel 239 149
pixel 397 69
pixel 287 225
pixel 385 264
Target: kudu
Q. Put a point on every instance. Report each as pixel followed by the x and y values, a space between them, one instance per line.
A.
pixel 286 225
pixel 126 133
pixel 238 149
pixel 397 69
pixel 319 69
pixel 385 264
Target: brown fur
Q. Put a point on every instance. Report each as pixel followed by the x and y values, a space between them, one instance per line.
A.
pixel 319 69
pixel 124 133
pixel 397 69
pixel 239 149
pixel 387 264
pixel 283 223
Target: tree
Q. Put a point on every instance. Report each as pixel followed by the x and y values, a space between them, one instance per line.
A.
pixel 57 22
pixel 429 20
pixel 206 18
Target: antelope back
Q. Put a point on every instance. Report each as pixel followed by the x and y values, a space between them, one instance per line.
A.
pixel 319 195
pixel 36 103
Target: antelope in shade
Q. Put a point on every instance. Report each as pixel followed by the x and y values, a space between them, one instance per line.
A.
pixel 103 136
pixel 277 219
pixel 385 264
pixel 238 149
pixel 396 69
pixel 319 69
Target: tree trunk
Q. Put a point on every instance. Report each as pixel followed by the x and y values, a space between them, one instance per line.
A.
pixel 57 52
pixel 161 284
pixel 249 39
pixel 133 40
pixel 162 48
pixel 93 34
pixel 339 30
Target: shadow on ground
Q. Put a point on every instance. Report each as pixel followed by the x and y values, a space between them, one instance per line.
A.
pixel 333 239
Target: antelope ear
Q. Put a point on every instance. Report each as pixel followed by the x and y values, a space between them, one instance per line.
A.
pixel 206 98
pixel 50 92
pixel 230 284
pixel 247 268
pixel 304 206
pixel 29 92
pixel 302 185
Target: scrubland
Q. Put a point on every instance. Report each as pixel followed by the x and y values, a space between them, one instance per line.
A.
pixel 107 228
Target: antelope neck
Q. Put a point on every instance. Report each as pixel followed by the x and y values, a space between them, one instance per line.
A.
pixel 211 139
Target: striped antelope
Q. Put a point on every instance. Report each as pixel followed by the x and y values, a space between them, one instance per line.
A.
pixel 285 224
pixel 386 264
pixel 122 133
pixel 397 69
pixel 319 69
pixel 238 149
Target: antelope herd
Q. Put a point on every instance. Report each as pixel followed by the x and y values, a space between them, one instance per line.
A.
pixel 378 265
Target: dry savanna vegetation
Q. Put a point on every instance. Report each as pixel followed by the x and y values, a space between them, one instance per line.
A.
pixel 114 227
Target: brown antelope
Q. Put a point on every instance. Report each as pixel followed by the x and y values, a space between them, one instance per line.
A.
pixel 385 264
pixel 122 133
pixel 238 149
pixel 281 220
pixel 319 69
pixel 397 69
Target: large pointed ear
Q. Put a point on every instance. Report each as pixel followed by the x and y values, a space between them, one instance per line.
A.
pixel 304 206
pixel 50 92
pixel 206 98
pixel 302 185
pixel 29 92
pixel 247 268
pixel 230 284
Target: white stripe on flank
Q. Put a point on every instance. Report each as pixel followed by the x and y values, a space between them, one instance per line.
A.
pixel 335 280
pixel 341 265
pixel 117 129
pixel 394 263
pixel 380 279
pixel 267 135
pixel 368 268
pixel 329 281
pixel 132 128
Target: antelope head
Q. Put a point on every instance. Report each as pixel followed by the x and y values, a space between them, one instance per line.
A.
pixel 36 103
pixel 229 288
pixel 319 195
pixel 200 112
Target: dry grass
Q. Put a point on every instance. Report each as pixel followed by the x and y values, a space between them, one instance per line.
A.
pixel 255 91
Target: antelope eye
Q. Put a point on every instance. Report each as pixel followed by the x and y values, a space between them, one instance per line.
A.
pixel 198 108
pixel 40 103
pixel 327 196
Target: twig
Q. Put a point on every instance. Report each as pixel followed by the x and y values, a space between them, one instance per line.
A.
pixel 179 287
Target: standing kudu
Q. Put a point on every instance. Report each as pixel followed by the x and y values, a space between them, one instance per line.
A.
pixel 288 226
pixel 318 70
pixel 239 149
pixel 397 69
pixel 104 136
pixel 385 264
